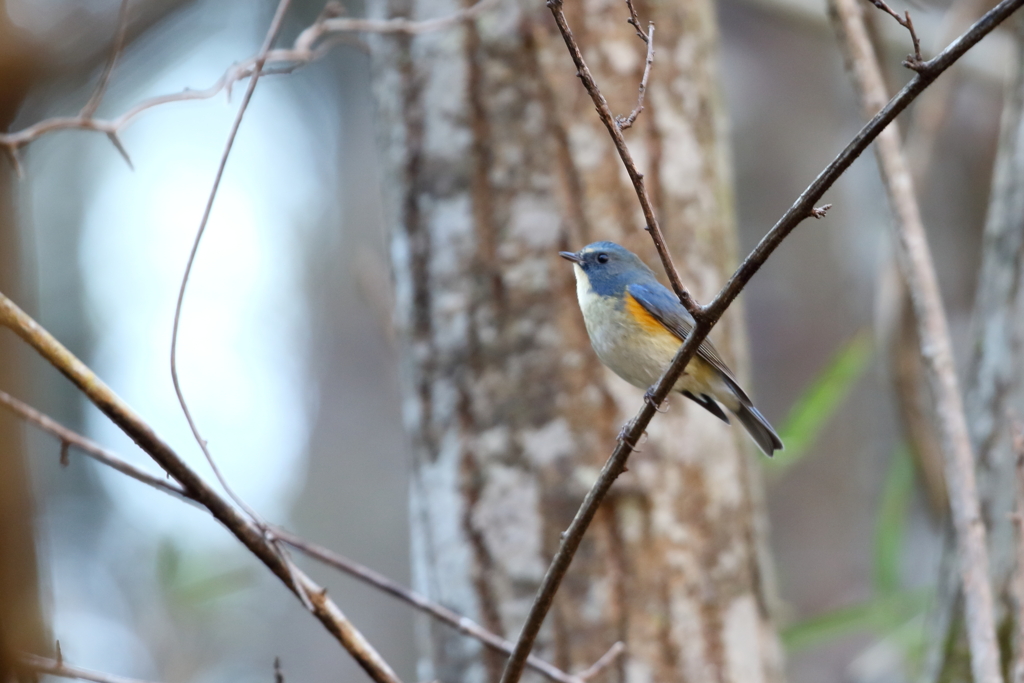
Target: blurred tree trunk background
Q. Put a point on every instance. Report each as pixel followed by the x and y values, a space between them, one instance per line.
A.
pixel 496 160
pixel 995 393
pixel 22 625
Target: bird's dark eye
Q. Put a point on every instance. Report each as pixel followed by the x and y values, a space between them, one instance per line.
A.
pixel 602 258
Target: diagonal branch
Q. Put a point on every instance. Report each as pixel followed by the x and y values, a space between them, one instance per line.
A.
pixel 87 446
pixel 707 316
pixel 460 623
pixel 463 624
pixel 57 667
pixel 918 268
pixel 333 619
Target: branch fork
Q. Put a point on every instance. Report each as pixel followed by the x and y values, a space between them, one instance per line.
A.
pixel 624 122
pixel 914 62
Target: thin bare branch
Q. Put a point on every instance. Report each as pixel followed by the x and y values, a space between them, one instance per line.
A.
pixel 932 110
pixel 57 667
pixel 87 446
pixel 313 43
pixel 914 61
pixel 918 269
pixel 634 21
pixel 635 176
pixel 354 569
pixel 261 58
pixel 628 121
pixel 333 619
pixel 462 624
pixel 606 660
pixel 115 50
pixel 707 316
pixel 405 26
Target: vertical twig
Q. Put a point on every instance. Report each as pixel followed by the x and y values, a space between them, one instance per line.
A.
pixel 625 122
pixel 115 51
pixel 918 270
pixel 635 176
pixel 268 41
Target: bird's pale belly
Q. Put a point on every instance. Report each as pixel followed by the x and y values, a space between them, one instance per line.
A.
pixel 635 354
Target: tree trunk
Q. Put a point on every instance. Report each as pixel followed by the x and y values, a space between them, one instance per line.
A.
pixel 23 626
pixel 995 395
pixel 495 160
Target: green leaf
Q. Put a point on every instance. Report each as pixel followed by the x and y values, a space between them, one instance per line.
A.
pixel 216 586
pixel 821 400
pixel 879 615
pixel 892 520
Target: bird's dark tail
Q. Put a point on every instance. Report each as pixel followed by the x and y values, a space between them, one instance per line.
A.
pixel 755 424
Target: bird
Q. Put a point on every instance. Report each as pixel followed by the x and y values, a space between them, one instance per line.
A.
pixel 636 326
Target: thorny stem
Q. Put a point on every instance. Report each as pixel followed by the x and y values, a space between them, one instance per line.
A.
pixel 313 43
pixel 87 446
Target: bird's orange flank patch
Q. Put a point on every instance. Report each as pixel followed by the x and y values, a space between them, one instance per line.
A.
pixel 643 317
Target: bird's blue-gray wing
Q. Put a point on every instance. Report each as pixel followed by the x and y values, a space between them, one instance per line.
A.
pixel 664 306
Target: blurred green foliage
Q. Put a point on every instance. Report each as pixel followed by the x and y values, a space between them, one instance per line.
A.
pixel 196 580
pixel 822 400
pixel 893 613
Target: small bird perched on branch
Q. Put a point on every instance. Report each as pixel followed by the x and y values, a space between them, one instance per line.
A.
pixel 636 326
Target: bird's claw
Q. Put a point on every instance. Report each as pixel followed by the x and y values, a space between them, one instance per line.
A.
pixel 649 399
pixel 624 433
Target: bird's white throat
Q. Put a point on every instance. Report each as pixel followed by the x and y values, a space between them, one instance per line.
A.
pixel 584 292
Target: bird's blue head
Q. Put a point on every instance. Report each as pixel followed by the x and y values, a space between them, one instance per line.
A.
pixel 609 268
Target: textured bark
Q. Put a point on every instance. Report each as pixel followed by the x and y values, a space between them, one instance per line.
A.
pixel 995 395
pixel 494 160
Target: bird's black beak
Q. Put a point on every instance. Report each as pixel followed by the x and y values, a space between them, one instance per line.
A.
pixel 571 256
